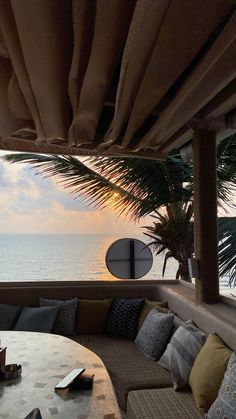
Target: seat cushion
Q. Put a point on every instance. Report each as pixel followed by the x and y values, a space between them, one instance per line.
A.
pixel 127 366
pixel 163 403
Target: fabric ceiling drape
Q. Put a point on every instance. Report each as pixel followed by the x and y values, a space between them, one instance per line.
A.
pixel 104 75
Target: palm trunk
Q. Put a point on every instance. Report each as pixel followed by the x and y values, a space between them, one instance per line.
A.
pixel 183 272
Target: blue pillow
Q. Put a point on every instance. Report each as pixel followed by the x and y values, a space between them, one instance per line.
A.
pixel 36 319
pixel 122 317
pixel 65 320
pixel 8 316
pixel 225 404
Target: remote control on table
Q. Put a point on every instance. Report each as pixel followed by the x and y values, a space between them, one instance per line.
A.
pixel 69 378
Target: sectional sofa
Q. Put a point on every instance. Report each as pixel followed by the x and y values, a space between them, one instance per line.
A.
pixel 144 389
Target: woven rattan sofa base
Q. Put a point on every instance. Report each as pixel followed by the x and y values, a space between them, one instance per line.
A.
pixel 129 369
pixel 163 403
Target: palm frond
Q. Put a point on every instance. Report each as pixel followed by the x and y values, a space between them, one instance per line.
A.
pixel 172 232
pixel 153 179
pixel 232 277
pixel 227 245
pixel 141 185
pixel 168 255
pixel 82 181
pixel 226 171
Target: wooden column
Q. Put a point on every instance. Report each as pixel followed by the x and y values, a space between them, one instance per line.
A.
pixel 205 215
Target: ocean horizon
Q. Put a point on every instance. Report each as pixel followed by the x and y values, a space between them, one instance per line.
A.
pixel 67 257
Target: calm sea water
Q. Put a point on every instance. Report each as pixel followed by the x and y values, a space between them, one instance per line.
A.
pixel 64 257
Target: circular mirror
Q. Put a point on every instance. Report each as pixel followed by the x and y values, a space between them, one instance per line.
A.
pixel 129 259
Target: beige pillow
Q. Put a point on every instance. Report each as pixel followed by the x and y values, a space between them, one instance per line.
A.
pixel 91 316
pixel 161 306
pixel 208 371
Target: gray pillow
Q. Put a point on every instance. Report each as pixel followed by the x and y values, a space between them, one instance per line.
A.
pixel 164 360
pixel 181 352
pixel 36 319
pixel 65 320
pixel 177 322
pixel 8 316
pixel 225 404
pixel 154 334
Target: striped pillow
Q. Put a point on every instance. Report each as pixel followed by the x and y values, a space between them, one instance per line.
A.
pixel 181 352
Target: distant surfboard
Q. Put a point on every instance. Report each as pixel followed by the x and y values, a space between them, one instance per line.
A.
pixel 129 258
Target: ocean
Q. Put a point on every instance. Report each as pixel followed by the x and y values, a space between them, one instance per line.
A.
pixel 67 257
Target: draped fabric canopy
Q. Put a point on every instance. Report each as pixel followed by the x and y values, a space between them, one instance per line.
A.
pixel 113 76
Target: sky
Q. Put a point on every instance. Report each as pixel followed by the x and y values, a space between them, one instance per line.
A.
pixel 31 204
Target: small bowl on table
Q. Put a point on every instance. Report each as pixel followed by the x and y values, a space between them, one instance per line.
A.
pixel 11 371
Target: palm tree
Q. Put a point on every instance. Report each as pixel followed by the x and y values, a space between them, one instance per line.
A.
pixel 227 246
pixel 142 187
pixel 172 233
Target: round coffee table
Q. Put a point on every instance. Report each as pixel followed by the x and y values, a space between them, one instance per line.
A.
pixel 45 360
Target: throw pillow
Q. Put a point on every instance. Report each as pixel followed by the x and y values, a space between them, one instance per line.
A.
pixel 154 334
pixel 8 316
pixel 91 316
pixel 65 320
pixel 149 305
pixel 208 372
pixel 36 319
pixel 178 322
pixel 181 352
pixel 225 404
pixel 122 317
pixel 164 360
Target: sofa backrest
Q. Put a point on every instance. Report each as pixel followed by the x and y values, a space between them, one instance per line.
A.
pixel 215 318
pixel 29 293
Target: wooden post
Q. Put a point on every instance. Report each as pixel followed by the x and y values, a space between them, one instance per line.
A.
pixel 205 215
pixel 2 356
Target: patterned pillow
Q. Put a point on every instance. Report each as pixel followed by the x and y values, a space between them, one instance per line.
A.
pixel 161 306
pixel 65 320
pixel 181 352
pixel 154 334
pixel 122 317
pixel 225 404
pixel 36 319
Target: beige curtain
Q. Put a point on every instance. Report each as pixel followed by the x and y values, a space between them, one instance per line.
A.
pixel 67 64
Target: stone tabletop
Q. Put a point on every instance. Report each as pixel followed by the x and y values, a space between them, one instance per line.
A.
pixel 45 360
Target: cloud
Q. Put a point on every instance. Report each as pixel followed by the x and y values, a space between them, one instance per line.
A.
pixel 3 180
pixel 32 204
